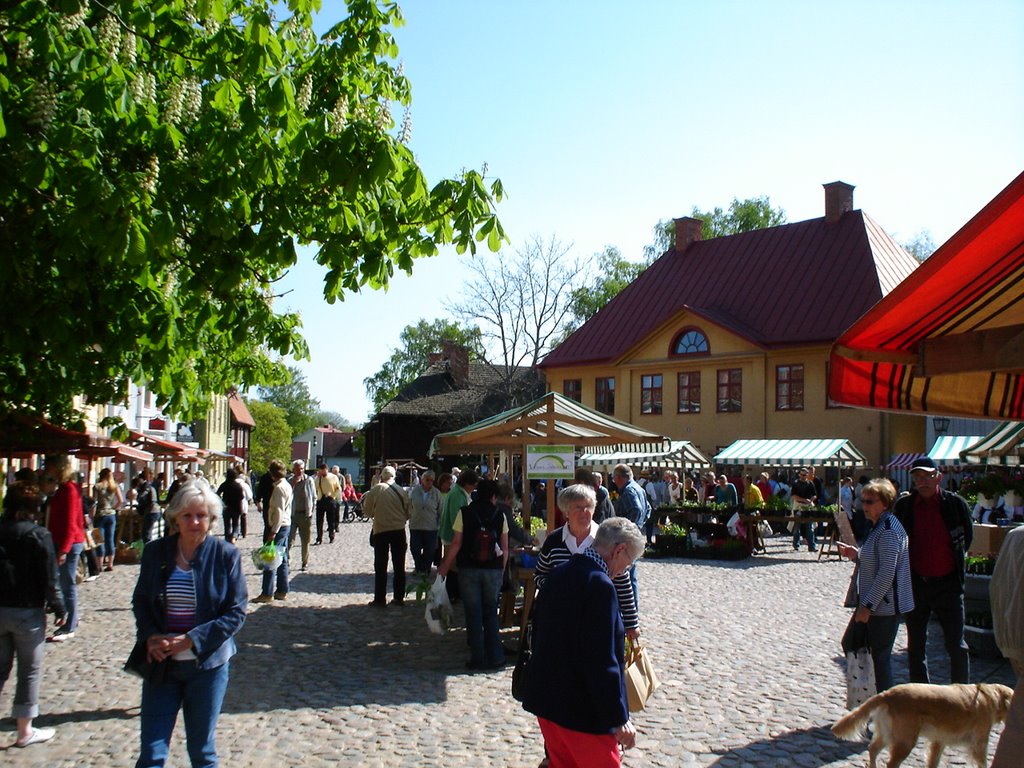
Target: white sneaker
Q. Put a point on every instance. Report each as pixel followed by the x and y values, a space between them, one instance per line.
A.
pixel 60 637
pixel 38 736
pixel 91 578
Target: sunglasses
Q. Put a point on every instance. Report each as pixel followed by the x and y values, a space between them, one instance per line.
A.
pixel 869 501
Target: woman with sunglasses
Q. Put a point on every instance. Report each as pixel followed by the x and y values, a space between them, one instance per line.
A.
pixel 883 577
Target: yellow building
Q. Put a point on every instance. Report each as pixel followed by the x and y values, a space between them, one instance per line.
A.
pixel 729 338
pixel 212 432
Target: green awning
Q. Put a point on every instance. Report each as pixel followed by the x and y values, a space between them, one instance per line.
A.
pixel 947 448
pixel 1003 446
pixel 680 453
pixel 828 452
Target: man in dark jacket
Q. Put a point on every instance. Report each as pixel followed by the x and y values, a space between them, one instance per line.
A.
pixel 264 489
pixel 939 526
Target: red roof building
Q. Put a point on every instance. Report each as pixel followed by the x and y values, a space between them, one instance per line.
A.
pixel 242 423
pixel 729 338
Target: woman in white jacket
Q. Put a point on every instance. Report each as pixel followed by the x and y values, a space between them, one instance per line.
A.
pixel 279 521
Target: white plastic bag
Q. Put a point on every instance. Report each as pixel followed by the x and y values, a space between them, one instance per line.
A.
pixel 860 677
pixel 268 557
pixel 439 608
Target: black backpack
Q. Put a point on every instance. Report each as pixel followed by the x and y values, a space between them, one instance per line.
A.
pixel 482 547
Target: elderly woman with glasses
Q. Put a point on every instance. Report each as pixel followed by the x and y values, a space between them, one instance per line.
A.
pixel 884 592
pixel 577 503
pixel 189 603
pixel 576 676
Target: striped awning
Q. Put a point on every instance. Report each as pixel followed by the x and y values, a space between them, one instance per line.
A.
pixel 947 448
pixel 902 460
pixel 680 453
pixel 827 452
pixel 1002 446
pixel 949 338
pixel 549 420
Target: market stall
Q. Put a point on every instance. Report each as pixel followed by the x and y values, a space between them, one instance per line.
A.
pixel 551 420
pixel 950 340
pixel 1003 446
pixel 817 452
pixel 679 454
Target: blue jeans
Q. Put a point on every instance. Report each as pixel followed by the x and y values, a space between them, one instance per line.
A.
pixel 198 693
pixel 22 634
pixel 69 587
pixel 479 589
pixel 881 636
pixel 422 545
pixel 281 542
pixel 108 525
pixel 945 598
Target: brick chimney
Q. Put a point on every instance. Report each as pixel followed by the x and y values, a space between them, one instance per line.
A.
pixel 687 231
pixel 458 361
pixel 838 200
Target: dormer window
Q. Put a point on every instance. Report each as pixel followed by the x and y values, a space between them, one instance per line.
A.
pixel 690 341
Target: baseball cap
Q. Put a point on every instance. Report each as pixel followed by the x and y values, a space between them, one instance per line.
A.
pixel 924 464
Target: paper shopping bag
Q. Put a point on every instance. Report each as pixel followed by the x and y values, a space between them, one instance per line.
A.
pixel 641 680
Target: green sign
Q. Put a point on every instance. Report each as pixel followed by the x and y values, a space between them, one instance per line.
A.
pixel 550 462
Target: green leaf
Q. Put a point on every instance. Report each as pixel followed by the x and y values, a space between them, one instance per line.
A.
pixel 227 95
pixel 494 240
pixel 136 253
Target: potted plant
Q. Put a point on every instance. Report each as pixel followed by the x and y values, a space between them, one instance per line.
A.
pixel 671 541
pixel 989 488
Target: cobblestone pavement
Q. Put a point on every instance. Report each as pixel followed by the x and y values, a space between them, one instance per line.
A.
pixel 747 652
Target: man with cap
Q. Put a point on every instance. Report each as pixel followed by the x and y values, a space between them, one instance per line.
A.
pixel 939 526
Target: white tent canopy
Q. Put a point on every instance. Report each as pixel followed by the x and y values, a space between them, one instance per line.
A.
pixel 947 448
pixel 827 452
pixel 680 453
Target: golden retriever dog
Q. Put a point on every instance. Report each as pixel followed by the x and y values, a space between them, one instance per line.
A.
pixel 945 714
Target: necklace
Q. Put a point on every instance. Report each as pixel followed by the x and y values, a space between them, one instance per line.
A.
pixel 182 560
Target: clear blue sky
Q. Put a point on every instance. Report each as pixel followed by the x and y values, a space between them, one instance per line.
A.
pixel 602 118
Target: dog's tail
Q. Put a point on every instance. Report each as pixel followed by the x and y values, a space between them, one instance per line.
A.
pixel 852 726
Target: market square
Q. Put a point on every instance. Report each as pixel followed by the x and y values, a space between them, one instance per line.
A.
pixel 748 654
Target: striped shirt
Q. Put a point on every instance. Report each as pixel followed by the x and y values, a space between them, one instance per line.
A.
pixel 884 562
pixel 555 552
pixel 181 601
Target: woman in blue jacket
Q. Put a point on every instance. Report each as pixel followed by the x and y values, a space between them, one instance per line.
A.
pixel 189 603
pixel 884 593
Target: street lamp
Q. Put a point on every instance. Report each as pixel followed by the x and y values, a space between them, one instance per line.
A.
pixel 941 424
pixel 313 457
